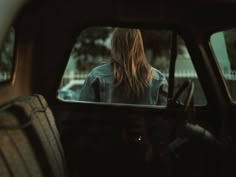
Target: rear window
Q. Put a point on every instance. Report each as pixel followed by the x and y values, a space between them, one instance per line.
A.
pixel 6 56
pixel 93 48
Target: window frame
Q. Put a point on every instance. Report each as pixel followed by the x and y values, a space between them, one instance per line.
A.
pixel 172 30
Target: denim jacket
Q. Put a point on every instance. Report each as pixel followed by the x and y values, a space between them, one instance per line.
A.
pixel 99 87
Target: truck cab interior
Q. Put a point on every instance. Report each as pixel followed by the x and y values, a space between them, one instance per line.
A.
pixel 47 45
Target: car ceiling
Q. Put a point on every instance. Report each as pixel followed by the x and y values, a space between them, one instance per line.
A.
pixel 144 11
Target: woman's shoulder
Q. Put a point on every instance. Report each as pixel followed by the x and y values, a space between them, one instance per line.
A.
pixel 102 70
pixel 158 75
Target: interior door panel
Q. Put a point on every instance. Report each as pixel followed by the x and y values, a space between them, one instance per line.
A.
pixel 121 140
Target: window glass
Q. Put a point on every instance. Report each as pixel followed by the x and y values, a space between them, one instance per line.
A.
pixel 6 56
pixel 184 70
pixel 96 46
pixel 224 47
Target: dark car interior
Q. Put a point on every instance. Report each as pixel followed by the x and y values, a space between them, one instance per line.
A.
pixel 42 136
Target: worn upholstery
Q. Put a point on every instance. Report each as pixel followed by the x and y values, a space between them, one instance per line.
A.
pixel 29 141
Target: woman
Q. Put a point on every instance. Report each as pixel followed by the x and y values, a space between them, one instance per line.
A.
pixel 128 78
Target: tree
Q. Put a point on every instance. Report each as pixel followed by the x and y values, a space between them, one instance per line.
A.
pixel 6 53
pixel 230 39
pixel 157 45
pixel 91 48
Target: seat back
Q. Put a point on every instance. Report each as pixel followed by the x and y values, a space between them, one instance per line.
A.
pixel 30 144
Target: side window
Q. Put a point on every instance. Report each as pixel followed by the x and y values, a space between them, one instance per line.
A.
pixel 6 56
pixel 184 70
pixel 224 47
pixel 93 48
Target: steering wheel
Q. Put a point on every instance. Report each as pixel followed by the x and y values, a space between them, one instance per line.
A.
pixel 180 125
pixel 175 132
pixel 189 85
pixel 190 130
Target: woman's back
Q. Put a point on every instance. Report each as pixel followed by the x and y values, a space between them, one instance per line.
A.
pixel 129 78
pixel 99 86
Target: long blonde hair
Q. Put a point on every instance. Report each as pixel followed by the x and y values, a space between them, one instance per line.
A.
pixel 131 70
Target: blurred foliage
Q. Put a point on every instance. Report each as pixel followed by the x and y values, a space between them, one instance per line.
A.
pixel 159 42
pixel 157 46
pixel 90 49
pixel 230 40
pixel 6 53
